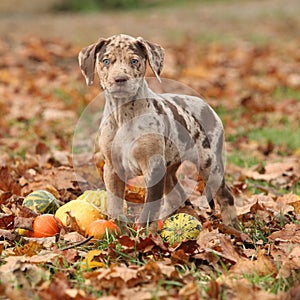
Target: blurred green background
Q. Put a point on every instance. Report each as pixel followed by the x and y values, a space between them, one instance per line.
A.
pixel 205 21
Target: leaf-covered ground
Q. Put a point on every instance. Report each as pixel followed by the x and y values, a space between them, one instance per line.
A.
pixel 256 91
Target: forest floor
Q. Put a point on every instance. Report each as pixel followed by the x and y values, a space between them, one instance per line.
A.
pixel 243 58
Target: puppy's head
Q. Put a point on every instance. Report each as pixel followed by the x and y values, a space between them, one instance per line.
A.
pixel 120 62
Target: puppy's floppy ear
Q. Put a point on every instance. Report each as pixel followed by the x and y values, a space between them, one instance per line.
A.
pixel 87 60
pixel 155 55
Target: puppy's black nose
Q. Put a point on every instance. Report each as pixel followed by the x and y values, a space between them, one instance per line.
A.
pixel 121 79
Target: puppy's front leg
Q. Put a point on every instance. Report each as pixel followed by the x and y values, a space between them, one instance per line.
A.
pixel 154 180
pixel 115 193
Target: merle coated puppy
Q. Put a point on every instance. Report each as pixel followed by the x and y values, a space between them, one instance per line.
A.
pixel 149 134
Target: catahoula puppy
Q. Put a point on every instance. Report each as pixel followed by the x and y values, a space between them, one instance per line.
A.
pixel 149 134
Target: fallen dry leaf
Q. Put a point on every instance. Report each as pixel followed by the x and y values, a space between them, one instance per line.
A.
pixel 243 289
pixel 13 263
pixel 26 275
pixel 6 220
pixel 30 249
pixel 215 246
pixel 62 178
pixel 262 266
pixel 89 262
pixel 274 171
pixel 289 200
pixel 8 183
pixel 290 263
pixel 290 233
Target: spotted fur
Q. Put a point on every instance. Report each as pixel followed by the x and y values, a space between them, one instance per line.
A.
pixel 143 133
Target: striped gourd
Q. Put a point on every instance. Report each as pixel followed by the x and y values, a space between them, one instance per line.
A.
pixel 180 227
pixel 41 201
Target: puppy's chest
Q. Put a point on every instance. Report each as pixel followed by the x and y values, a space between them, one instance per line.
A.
pixel 126 129
pixel 179 127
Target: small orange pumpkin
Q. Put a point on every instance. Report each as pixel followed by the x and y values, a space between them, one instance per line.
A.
pixel 98 228
pixel 45 226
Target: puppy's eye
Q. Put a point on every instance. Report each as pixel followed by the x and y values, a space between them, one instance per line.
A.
pixel 134 61
pixel 106 61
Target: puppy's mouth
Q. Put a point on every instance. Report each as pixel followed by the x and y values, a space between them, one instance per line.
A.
pixel 122 90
